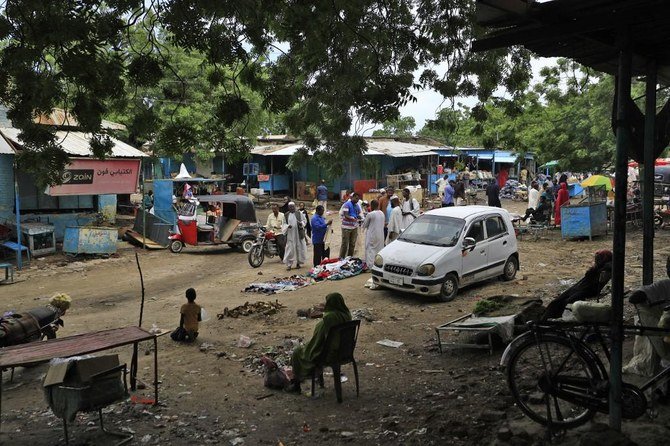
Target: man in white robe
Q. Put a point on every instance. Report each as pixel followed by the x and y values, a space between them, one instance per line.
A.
pixel 410 209
pixel 374 235
pixel 296 248
pixel 395 220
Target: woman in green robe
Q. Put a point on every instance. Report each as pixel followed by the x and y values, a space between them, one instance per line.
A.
pixel 335 313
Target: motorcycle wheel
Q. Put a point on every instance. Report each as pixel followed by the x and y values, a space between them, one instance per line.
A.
pixel 256 256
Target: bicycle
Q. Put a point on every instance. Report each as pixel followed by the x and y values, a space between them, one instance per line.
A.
pixel 558 380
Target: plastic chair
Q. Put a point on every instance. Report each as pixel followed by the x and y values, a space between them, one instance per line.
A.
pixel 347 335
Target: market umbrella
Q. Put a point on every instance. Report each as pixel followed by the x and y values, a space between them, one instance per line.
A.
pixel 598 180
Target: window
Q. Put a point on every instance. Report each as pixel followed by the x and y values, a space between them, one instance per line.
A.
pixel 495 226
pixel 433 230
pixel 476 231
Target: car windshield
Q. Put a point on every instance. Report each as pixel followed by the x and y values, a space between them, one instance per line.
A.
pixel 434 230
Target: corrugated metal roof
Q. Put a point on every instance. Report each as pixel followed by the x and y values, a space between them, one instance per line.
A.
pixel 62 118
pixel 391 148
pixel 77 144
pixel 5 147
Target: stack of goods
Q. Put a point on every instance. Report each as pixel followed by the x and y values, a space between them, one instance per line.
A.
pixel 336 269
pixel 279 285
pixel 510 189
pixel 265 308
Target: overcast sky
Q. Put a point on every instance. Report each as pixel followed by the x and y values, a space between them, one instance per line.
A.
pixel 429 102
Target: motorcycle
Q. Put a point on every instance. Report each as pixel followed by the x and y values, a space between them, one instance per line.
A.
pixel 265 245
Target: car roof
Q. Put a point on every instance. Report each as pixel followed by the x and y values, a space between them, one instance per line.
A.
pixel 466 212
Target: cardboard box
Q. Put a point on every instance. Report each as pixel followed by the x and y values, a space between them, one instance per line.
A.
pixel 79 371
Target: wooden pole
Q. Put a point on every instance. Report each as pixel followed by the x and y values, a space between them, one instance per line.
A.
pixel 619 241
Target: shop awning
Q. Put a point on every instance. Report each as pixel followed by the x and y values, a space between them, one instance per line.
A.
pixel 511 159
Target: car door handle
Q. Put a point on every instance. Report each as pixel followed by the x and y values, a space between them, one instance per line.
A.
pixel 483 251
pixel 505 242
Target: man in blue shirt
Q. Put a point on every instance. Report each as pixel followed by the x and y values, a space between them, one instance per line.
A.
pixel 449 191
pixel 319 228
pixel 350 220
pixel 322 195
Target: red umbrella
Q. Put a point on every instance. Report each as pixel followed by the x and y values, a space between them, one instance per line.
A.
pixel 659 162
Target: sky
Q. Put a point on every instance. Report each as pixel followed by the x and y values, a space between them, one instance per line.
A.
pixel 429 102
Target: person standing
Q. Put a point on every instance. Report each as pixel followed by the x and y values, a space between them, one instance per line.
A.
pixel 308 226
pixel 295 237
pixel 275 223
pixel 319 228
pixel 322 195
pixel 384 203
pixel 449 192
pixel 562 198
pixel 395 221
pixel 410 208
pixel 441 186
pixel 459 192
pixel 493 194
pixel 374 235
pixel 350 218
pixel 533 196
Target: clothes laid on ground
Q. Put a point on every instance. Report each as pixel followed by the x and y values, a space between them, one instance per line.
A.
pixel 305 356
pixel 279 285
pixel 336 269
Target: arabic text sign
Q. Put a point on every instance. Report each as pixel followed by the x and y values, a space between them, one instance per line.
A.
pixel 95 177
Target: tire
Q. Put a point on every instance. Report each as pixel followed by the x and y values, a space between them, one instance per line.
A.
pixel 510 269
pixel 176 246
pixel 449 288
pixel 256 256
pixel 531 384
pixel 247 245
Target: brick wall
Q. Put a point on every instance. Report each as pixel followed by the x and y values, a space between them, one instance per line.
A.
pixel 6 185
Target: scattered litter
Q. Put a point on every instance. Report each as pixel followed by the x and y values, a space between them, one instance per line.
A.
pixel 265 308
pixel 206 346
pixel 244 342
pixel 155 330
pixel 542 264
pixel 145 439
pixel 237 441
pixel 262 397
pixel 433 371
pixel 306 428
pixel 371 284
pixel 314 312
pixel 347 434
pixel 390 343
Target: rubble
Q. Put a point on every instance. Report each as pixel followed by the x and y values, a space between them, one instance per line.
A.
pixel 265 308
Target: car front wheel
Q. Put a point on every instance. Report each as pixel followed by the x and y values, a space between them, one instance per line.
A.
pixel 510 269
pixel 449 288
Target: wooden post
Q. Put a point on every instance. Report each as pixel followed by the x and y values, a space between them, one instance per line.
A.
pixel 619 241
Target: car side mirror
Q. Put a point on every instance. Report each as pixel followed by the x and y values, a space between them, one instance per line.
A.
pixel 469 242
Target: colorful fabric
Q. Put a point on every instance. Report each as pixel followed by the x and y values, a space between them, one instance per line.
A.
pixel 336 269
pixel 279 285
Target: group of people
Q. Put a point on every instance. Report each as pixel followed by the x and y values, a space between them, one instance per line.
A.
pixel 382 219
pixel 452 192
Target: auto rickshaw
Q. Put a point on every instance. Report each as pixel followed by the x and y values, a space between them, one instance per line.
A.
pixel 234 224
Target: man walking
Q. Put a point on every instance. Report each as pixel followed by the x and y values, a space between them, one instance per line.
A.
pixel 274 224
pixel 322 195
pixel 374 235
pixel 350 218
pixel 296 248
pixel 319 228
pixel 410 208
pixel 385 207
pixel 449 192
pixel 493 194
pixel 395 221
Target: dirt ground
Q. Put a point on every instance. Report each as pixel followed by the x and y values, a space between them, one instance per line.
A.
pixel 408 395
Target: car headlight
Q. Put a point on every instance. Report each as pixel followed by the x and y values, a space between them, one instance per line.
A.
pixel 426 270
pixel 379 262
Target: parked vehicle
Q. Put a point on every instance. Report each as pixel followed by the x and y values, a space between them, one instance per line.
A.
pixel 662 181
pixel 265 245
pixel 445 249
pixel 236 227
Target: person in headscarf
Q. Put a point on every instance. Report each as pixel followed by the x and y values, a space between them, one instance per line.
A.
pixel 305 356
pixel 296 248
pixel 562 198
pixel 589 287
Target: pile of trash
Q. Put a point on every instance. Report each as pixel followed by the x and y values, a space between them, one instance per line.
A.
pixel 513 189
pixel 279 285
pixel 265 308
pixel 335 269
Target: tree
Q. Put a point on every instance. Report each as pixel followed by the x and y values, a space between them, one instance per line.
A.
pixel 319 63
pixel 402 127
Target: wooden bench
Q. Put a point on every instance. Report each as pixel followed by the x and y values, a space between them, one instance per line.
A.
pixel 9 272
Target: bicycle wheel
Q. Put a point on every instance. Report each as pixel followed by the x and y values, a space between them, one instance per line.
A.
pixel 552 383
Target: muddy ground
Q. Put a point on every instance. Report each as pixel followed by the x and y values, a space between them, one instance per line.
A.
pixel 408 395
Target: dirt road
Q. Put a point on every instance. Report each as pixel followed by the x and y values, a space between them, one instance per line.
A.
pixel 409 395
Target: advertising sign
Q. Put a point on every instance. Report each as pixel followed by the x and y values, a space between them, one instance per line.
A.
pixel 97 177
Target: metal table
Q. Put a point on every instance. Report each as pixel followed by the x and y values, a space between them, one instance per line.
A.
pixel 39 352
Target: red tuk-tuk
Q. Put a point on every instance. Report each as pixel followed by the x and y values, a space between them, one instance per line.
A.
pixel 235 223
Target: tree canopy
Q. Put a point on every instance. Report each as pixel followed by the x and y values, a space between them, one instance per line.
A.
pixel 321 65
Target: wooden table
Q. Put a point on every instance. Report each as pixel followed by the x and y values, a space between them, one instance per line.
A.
pixel 39 352
pixel 9 271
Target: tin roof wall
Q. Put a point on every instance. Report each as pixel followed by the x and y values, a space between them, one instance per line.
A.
pixel 77 144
